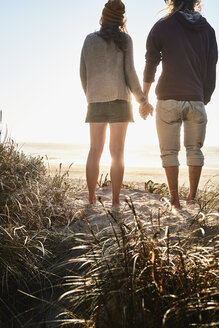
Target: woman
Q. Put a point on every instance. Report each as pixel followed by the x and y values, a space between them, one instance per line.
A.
pixel 108 77
pixel 185 43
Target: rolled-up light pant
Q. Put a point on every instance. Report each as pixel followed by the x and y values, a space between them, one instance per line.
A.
pixel 170 114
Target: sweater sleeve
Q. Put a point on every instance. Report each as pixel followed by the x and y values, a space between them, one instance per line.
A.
pixel 210 80
pixel 153 55
pixel 130 73
pixel 83 72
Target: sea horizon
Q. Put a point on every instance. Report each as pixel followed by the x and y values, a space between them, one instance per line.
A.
pixel 138 156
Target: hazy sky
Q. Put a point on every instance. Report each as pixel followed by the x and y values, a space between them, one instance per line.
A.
pixel 40 91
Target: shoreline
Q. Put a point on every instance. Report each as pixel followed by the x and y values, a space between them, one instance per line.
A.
pixel 136 175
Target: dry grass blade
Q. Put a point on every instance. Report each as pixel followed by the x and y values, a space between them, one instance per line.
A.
pixel 136 273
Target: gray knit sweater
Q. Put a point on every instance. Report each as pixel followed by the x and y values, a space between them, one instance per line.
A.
pixel 107 73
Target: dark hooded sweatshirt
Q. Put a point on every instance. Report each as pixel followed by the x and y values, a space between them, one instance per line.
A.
pixel 186 45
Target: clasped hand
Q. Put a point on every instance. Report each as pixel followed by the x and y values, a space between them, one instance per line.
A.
pixel 145 110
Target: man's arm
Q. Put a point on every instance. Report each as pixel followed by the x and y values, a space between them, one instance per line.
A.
pixel 146 89
pixel 210 80
pixel 153 55
pixel 147 108
pixel 153 58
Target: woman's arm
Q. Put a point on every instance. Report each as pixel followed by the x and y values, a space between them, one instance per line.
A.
pixel 83 72
pixel 130 73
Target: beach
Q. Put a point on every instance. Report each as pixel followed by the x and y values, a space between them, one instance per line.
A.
pixel 136 176
pixel 142 163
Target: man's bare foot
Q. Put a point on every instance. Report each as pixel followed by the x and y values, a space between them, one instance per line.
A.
pixel 174 201
pixel 190 201
pixel 176 205
pixel 192 204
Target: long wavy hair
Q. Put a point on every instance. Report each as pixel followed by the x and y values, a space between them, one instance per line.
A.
pixel 116 33
pixel 183 5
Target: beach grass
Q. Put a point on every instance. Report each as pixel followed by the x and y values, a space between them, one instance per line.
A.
pixel 136 273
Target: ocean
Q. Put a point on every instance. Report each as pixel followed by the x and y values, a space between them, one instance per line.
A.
pixel 139 156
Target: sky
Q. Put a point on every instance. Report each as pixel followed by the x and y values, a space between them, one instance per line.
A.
pixel 41 97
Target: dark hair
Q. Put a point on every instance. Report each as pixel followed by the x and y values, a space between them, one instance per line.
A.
pixel 183 5
pixel 116 33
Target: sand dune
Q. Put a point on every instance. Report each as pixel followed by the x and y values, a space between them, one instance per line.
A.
pixel 153 211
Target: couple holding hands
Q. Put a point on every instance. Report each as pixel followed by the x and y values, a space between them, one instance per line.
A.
pixel 185 43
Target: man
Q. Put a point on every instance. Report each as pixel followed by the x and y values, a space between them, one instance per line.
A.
pixel 185 43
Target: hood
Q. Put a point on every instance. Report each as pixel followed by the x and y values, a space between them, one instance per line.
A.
pixel 194 21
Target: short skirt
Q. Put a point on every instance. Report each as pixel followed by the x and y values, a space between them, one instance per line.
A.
pixel 110 112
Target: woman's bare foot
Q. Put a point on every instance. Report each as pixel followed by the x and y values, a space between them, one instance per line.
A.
pixel 116 207
pixel 92 200
pixel 115 203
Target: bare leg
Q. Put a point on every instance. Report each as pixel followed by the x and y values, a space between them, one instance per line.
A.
pixel 117 142
pixel 97 140
pixel 172 173
pixel 194 176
